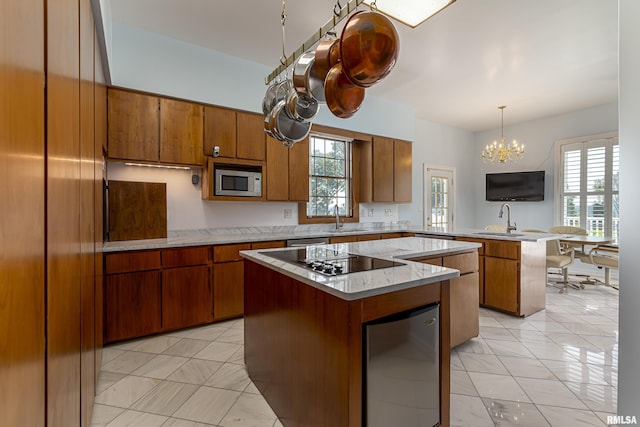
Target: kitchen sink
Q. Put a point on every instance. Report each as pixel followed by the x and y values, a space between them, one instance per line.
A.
pixel 347 230
pixel 498 233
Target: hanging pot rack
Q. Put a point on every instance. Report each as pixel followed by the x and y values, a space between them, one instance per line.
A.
pixel 338 15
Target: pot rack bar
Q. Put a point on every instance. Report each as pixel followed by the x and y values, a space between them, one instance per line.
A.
pixel 351 6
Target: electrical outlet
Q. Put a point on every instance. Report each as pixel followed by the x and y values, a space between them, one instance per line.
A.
pixel 287 213
pixel 370 213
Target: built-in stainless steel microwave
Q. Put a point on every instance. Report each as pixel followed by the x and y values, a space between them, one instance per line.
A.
pixel 237 182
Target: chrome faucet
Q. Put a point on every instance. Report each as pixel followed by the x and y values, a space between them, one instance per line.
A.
pixel 510 227
pixel 337 213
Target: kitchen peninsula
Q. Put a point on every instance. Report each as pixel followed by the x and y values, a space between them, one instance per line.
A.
pixel 305 330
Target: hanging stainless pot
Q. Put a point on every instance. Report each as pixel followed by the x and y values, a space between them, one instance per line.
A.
pixel 305 77
pixel 269 98
pixel 369 47
pixel 301 107
pixel 284 128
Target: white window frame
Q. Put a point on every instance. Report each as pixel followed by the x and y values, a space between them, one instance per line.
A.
pixel 608 140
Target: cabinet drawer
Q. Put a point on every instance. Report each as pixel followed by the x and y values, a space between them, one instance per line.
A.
pixel 466 263
pixel 390 235
pixel 132 261
pixel 184 257
pixel 471 239
pixel 224 253
pixel 502 249
pixel 432 261
pixel 268 245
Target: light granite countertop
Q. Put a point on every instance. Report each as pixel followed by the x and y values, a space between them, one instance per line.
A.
pixel 359 285
pixel 221 236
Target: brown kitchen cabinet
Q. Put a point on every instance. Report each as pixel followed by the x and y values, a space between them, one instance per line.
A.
pixel 150 128
pixel 250 136
pixel 465 314
pixel 287 171
pixel 133 125
pixel 220 131
pixel 385 170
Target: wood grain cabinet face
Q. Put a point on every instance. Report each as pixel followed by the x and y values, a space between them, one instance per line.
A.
pixel 228 289
pixel 220 130
pixel 133 123
pixel 501 283
pixel 385 170
pixel 382 169
pixel 277 170
pixel 186 297
pixel 181 132
pixel 402 171
pixel 250 136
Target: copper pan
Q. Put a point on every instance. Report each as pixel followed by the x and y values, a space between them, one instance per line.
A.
pixel 327 55
pixel 369 47
pixel 343 97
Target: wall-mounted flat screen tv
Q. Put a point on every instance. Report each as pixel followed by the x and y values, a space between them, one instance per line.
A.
pixel 515 186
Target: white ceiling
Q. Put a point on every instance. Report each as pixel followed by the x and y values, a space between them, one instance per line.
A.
pixel 538 57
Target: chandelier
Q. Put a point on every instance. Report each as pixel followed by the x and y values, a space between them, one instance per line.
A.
pixel 499 151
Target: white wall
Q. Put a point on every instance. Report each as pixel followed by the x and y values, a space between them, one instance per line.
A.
pixel 629 355
pixel 539 137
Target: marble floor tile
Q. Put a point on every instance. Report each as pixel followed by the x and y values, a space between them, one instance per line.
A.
pixel 176 422
pixel 218 351
pixel 469 411
pixel 603 398
pixel 237 357
pixel 186 347
pixel 232 335
pixel 548 326
pixel 461 384
pixel 571 339
pixel 161 366
pixel 508 413
pixel 137 419
pixel 508 348
pixel 576 371
pixel 250 410
pixel 110 353
pixel 499 333
pixel 251 388
pixel 207 332
pixel 490 322
pixel 474 345
pixel 126 392
pixel 526 367
pixel 550 351
pixel 529 335
pixel 456 363
pixel 230 376
pixel 502 387
pixel 127 362
pixel 516 323
pixel 195 371
pixel 165 398
pixel 157 344
pixel 107 379
pixel 488 363
pixel 562 417
pixel 207 405
pixel 103 414
pixel 549 392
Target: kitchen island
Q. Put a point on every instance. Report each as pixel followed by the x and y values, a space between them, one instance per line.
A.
pixel 304 330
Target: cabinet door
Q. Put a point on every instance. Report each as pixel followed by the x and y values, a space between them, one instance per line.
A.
pixel 382 169
pixel 277 182
pixel 365 237
pixel 343 239
pixel 228 289
pixel 299 171
pixel 220 130
pixel 132 305
pixel 268 245
pixel 181 132
pixel 402 171
pixel 250 136
pixel 186 297
pixel 465 317
pixel 133 122
pixel 501 283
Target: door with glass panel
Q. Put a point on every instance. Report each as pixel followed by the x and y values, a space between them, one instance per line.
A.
pixel 438 198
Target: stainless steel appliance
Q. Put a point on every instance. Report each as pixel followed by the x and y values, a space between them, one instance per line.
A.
pixel 402 369
pixel 330 262
pixel 237 182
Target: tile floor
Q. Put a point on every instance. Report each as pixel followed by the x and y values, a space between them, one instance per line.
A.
pixel 557 367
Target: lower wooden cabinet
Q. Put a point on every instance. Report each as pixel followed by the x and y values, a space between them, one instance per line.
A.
pixel 186 297
pixel 132 305
pixel 502 281
pixel 228 289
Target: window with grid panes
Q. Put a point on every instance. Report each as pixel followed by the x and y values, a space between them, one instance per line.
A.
pixel 329 176
pixel 588 193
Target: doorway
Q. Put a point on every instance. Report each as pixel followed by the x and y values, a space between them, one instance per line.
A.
pixel 438 197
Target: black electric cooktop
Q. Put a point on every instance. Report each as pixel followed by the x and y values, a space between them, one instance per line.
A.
pixel 330 262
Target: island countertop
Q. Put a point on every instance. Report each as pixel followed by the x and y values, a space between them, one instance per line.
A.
pixel 358 285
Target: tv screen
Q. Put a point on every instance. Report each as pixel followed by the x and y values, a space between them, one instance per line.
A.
pixel 515 186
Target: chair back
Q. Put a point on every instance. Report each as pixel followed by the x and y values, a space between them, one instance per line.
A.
pixel 553 248
pixel 568 229
pixel 496 227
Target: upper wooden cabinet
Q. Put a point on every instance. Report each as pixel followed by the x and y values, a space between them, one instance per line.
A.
pixel 181 132
pixel 238 135
pixel 133 126
pixel 287 171
pixel 385 170
pixel 149 128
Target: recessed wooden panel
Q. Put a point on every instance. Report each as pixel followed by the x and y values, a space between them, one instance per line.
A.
pixel 391 235
pixel 465 317
pixel 181 132
pixel 184 257
pixel 402 171
pixel 251 136
pixel 186 297
pixel 220 130
pixel 137 210
pixel 224 253
pixel 466 263
pixel 268 245
pixel 132 261
pixel 299 171
pixel 277 180
pixel 22 251
pixel 502 249
pixel 501 283
pixel 382 169
pixel 228 289
pixel 134 126
pixel 366 237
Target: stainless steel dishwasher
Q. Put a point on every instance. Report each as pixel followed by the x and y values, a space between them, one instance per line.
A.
pixel 402 369
pixel 307 241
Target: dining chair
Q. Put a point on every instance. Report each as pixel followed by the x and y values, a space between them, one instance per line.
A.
pixel 569 229
pixel 603 256
pixel 496 227
pixel 561 258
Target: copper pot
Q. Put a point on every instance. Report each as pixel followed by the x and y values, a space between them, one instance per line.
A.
pixel 343 97
pixel 327 55
pixel 369 47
